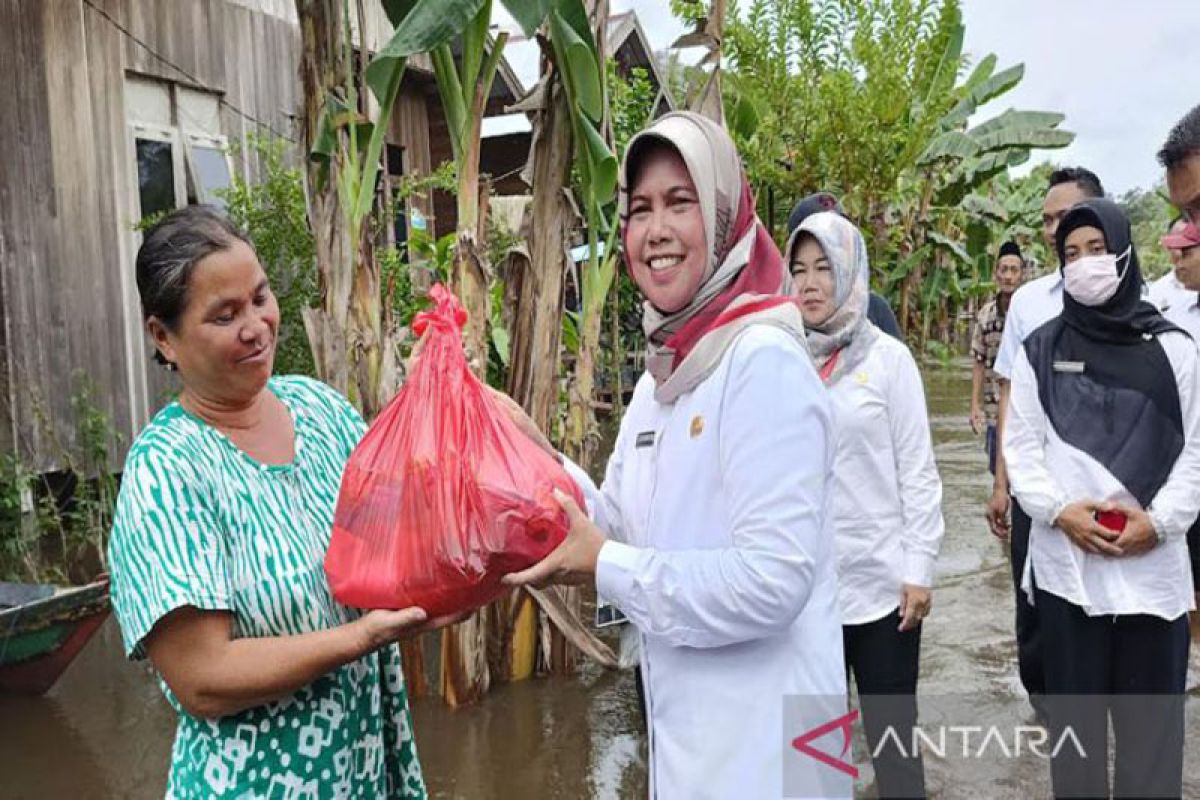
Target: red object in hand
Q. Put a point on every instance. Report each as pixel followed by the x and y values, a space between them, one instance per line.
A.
pixel 1113 520
pixel 444 495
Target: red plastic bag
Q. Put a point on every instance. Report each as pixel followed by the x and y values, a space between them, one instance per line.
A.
pixel 444 494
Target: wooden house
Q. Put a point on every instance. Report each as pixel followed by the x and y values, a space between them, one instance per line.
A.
pixel 116 109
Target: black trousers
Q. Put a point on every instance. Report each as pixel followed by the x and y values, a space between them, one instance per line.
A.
pixel 884 663
pixel 1193 541
pixel 1029 638
pixel 1133 667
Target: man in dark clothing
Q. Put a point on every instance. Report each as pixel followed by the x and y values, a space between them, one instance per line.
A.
pixel 878 310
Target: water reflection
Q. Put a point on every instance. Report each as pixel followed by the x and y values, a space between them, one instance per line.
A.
pixel 105 732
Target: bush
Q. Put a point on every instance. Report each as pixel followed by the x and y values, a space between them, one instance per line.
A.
pixel 273 212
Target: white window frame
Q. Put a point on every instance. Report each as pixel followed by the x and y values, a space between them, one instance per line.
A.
pixel 193 139
pixel 157 133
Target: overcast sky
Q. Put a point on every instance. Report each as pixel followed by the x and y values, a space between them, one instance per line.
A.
pixel 1122 71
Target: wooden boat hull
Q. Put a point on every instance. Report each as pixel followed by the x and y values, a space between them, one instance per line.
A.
pixel 39 639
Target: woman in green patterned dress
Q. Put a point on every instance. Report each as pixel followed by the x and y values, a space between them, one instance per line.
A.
pixel 221 528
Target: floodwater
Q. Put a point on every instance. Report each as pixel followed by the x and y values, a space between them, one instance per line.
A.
pixel 105 732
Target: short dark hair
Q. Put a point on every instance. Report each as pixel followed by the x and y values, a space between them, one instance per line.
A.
pixel 813 204
pixel 170 251
pixel 1084 178
pixel 1182 141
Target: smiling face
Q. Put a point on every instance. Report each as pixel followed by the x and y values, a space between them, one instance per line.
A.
pixel 812 279
pixel 223 343
pixel 664 233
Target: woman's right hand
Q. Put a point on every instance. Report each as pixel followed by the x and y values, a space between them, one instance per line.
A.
pixel 1078 521
pixel 998 507
pixel 383 626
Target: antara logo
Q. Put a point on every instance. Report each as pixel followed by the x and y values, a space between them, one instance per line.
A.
pixel 845 724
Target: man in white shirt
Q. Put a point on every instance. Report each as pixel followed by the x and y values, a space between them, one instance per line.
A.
pixel 1175 294
pixel 1032 305
pixel 1180 155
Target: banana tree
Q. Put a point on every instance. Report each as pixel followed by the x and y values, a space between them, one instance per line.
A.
pixel 955 166
pixel 578 56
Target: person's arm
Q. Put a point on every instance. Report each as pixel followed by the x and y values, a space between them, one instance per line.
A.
pixel 1011 339
pixel 978 352
pixel 172 595
pixel 602 501
pixel 1174 508
pixel 775 460
pixel 920 487
pixel 977 372
pixel 1026 429
pixel 214 675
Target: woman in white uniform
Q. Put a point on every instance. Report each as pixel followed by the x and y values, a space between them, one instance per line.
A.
pixel 711 529
pixel 887 514
pixel 1102 442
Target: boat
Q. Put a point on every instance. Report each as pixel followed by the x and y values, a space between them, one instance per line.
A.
pixel 43 628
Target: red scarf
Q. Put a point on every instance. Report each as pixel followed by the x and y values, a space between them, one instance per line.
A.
pixel 762 275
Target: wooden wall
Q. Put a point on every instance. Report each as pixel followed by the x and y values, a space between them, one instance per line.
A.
pixel 68 187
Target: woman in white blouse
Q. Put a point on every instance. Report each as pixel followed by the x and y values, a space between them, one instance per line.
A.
pixel 710 529
pixel 887 516
pixel 1102 442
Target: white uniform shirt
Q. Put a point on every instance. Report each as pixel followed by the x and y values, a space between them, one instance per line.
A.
pixel 1031 307
pixel 1046 474
pixel 1177 304
pixel 887 506
pixel 720 552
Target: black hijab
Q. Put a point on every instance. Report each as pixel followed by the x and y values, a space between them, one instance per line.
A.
pixel 1123 408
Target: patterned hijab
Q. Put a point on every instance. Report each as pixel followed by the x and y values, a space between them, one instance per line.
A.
pixel 840 343
pixel 745 279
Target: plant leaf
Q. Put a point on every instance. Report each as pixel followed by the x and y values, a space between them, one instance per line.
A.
pixel 602 164
pixel 427 24
pixel 989 89
pixel 580 67
pixel 529 14
pixel 954 248
pixel 949 145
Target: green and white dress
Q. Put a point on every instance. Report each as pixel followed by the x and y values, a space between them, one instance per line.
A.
pixel 200 523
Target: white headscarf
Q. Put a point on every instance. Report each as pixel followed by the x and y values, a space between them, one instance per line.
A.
pixel 847 333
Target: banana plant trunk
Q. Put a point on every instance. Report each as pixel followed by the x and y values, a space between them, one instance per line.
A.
pixel 352 346
pixel 537 322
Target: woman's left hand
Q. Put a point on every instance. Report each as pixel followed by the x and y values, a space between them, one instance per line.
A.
pixel 915 602
pixel 572 562
pixel 1139 535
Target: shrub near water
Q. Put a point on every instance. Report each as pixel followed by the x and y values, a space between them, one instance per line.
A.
pixel 54 527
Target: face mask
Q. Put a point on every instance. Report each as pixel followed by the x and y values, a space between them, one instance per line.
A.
pixel 1093 280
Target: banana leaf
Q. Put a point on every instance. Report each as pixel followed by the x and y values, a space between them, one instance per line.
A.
pixel 529 14
pixel 988 89
pixel 949 145
pixel 579 65
pixel 983 206
pixel 951 246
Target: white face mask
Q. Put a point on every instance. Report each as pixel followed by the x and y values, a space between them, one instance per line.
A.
pixel 1093 280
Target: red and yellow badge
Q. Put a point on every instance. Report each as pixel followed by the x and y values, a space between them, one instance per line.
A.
pixel 697 426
